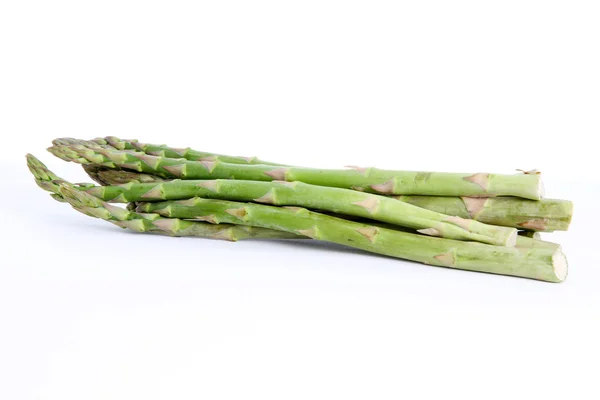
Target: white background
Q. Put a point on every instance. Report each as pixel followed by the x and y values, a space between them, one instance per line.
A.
pixel 88 311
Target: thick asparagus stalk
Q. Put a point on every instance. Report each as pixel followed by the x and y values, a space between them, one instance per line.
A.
pixel 342 201
pixel 544 215
pixel 362 179
pixel 537 263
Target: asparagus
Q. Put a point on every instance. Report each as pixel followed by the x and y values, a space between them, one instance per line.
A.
pixel 113 176
pixel 547 264
pixel 362 179
pixel 173 152
pixel 154 223
pixel 544 215
pixel 336 200
pixel 150 222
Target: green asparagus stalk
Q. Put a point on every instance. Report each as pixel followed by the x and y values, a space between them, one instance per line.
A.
pixel 173 152
pixel 544 215
pixel 342 201
pixel 154 223
pixel 545 264
pixel 362 179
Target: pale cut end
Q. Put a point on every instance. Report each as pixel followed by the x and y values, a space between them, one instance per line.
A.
pixel 154 193
pixel 480 179
pixel 277 174
pixel 370 204
pixel 385 188
pixel 175 170
pixel 369 232
pixel 268 198
pixel 474 205
pixel 311 232
pixel 210 165
pixel 210 185
pixel 560 265
pixel 237 212
pixel 430 232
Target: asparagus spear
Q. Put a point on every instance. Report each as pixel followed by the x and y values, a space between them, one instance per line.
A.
pixel 546 264
pixel 336 200
pixel 113 176
pixel 544 215
pixel 154 223
pixel 173 152
pixel 363 179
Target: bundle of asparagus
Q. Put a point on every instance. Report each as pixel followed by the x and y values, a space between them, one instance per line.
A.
pixel 463 221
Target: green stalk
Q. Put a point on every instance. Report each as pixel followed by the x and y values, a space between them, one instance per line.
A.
pixel 544 215
pixel 537 263
pixel 154 223
pixel 342 201
pixel 113 176
pixel 361 179
pixel 174 152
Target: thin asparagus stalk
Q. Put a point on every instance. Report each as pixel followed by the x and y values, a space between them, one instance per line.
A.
pixel 112 176
pixel 537 263
pixel 154 223
pixel 544 215
pixel 174 152
pixel 363 179
pixel 342 201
